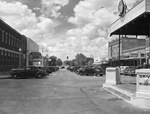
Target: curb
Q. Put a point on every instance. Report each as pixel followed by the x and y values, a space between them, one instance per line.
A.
pixel 128 96
pixel 4 74
pixel 120 93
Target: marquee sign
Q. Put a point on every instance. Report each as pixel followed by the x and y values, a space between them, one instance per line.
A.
pixel 122 8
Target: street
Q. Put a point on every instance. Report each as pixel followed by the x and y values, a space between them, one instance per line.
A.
pixel 62 92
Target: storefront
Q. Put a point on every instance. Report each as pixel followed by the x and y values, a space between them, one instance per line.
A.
pixel 132 51
pixel 135 22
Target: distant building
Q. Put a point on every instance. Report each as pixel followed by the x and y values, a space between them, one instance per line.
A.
pixel 97 61
pixel 31 47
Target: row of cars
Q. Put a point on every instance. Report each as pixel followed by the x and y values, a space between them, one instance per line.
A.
pixel 32 71
pixel 87 70
pixel 131 70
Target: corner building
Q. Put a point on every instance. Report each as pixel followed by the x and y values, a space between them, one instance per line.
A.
pixel 132 51
pixel 12 48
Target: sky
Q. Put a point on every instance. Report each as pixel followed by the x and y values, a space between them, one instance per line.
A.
pixel 64 27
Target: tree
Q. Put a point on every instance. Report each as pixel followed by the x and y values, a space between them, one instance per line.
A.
pixel 52 61
pixel 59 62
pixel 80 59
pixel 90 61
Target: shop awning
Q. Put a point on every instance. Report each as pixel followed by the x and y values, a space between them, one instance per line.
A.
pixel 135 22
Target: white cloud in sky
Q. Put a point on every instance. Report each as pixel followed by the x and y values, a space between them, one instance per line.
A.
pixel 94 17
pixel 91 17
pixel 18 15
pixel 21 18
pixel 51 8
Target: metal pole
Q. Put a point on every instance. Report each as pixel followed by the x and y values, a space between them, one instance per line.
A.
pixel 148 44
pixel 119 51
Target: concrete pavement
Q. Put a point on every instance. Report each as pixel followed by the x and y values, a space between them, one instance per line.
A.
pixel 62 92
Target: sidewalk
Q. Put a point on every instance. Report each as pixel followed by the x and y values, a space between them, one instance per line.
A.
pixel 4 75
pixel 126 90
pixel 128 83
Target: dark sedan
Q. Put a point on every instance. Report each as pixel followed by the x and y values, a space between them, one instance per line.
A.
pixel 31 71
pixel 92 71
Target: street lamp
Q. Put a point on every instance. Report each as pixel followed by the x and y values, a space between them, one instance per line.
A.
pixel 20 50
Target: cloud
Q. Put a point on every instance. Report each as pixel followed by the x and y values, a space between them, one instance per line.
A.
pixel 51 8
pixel 92 19
pixel 21 18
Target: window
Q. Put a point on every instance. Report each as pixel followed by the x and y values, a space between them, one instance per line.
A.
pixel 19 43
pixel 9 39
pixel 0 59
pixel 6 36
pixel 6 58
pixel 16 42
pixel 12 40
pixel 0 35
pixel 3 36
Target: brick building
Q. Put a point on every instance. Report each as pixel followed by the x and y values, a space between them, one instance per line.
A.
pixel 12 48
pixel 132 51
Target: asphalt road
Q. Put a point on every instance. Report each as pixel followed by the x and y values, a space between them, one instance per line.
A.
pixel 62 92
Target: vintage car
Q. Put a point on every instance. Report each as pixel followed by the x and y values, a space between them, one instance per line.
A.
pixel 30 71
pixel 94 71
pixel 81 70
pixel 53 68
pixel 47 69
pixel 130 70
pixel 122 68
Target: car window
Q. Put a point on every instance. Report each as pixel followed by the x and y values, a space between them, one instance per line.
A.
pixel 34 68
pixel 28 68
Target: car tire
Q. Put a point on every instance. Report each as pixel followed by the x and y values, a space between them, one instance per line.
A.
pixel 95 74
pixel 15 76
pixel 101 74
pixel 39 75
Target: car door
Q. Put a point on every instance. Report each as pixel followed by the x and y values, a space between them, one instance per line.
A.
pixel 27 71
pixel 33 71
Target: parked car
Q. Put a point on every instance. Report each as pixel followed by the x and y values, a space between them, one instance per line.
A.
pixel 95 71
pixel 30 71
pixel 53 68
pixel 48 71
pixel 62 67
pixel 130 70
pixel 81 70
pixel 122 68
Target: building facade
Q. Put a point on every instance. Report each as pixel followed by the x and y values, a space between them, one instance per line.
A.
pixel 31 47
pixel 132 51
pixel 12 48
